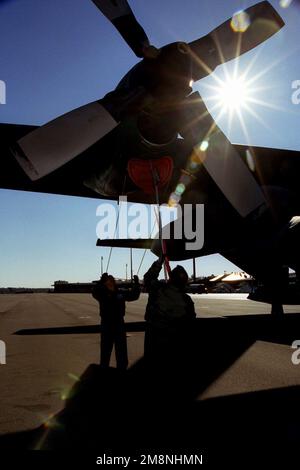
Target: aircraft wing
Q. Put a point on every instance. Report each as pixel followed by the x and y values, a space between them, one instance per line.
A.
pixel 101 161
pixel 144 243
pixel 275 171
pixel 270 167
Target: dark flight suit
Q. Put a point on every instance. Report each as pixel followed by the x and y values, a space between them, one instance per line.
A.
pixel 170 315
pixel 112 312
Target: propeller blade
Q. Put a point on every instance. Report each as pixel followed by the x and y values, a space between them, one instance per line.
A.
pixel 239 34
pixel 49 147
pixel 123 19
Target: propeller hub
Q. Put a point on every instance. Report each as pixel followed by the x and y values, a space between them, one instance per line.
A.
pixel 155 130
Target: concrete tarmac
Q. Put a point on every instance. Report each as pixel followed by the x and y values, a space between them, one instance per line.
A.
pixel 51 339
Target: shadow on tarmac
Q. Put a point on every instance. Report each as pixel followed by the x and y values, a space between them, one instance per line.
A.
pixel 156 407
pixel 260 327
pixel 71 330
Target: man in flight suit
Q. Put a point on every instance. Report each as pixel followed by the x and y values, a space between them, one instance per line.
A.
pixel 170 316
pixel 112 311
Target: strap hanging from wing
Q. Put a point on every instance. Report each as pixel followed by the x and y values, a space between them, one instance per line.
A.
pixel 241 33
pixel 156 182
pixel 122 17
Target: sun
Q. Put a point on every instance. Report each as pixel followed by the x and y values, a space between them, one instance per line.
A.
pixel 238 91
pixel 233 94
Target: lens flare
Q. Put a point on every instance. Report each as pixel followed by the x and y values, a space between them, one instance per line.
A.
pixel 73 377
pixel 180 188
pixel 240 22
pixel 50 422
pixel 184 182
pixel 250 160
pixel 285 3
pixel 174 200
pixel 204 145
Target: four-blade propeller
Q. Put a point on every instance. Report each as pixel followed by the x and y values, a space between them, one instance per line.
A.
pixel 162 77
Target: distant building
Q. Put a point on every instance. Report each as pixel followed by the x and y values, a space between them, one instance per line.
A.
pixel 25 290
pixel 232 282
pixel 65 287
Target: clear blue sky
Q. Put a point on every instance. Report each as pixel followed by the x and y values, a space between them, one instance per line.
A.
pixel 57 55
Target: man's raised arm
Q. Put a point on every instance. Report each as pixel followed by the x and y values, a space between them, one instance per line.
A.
pixel 151 276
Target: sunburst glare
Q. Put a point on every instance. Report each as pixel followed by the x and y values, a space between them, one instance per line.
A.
pixel 233 94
